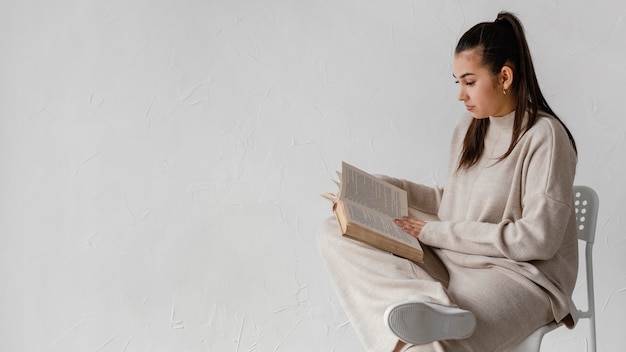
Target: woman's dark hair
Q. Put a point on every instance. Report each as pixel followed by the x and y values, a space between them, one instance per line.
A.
pixel 503 42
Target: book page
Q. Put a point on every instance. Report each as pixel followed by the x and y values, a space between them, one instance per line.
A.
pixel 360 187
pixel 378 222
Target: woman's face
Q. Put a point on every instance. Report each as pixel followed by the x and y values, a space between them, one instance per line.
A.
pixel 480 90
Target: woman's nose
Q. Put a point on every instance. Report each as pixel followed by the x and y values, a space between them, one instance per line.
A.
pixel 461 95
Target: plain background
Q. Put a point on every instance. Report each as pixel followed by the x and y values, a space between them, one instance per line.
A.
pixel 161 161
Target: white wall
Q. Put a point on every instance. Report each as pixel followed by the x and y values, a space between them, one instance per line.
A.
pixel 161 160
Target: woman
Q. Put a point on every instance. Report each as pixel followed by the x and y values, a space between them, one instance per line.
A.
pixel 501 252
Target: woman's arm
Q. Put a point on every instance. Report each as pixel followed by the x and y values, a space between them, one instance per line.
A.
pixel 531 227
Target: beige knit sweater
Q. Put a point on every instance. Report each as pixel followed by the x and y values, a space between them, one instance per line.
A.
pixel 515 214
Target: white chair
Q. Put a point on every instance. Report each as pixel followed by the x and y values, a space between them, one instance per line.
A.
pixel 586 205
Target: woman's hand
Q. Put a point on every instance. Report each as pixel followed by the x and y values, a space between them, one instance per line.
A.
pixel 411 226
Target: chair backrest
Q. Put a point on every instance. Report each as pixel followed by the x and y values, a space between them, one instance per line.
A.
pixel 586 204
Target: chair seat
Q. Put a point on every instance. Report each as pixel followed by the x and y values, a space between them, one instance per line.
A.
pixel 533 341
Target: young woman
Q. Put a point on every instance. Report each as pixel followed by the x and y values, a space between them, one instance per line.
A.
pixel 501 254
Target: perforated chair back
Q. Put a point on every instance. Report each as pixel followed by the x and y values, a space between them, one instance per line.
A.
pixel 586 205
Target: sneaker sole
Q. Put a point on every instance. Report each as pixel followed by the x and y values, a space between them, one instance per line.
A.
pixel 420 323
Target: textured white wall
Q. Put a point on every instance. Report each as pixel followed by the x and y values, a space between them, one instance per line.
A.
pixel 161 160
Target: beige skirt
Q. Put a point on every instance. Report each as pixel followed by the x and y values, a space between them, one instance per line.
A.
pixel 507 306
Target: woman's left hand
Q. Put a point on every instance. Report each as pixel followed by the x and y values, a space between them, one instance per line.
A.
pixel 410 225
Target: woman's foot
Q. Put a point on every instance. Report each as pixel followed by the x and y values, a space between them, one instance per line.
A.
pixel 417 322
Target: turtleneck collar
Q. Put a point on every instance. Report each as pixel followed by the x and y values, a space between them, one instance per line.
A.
pixel 503 122
pixel 508 116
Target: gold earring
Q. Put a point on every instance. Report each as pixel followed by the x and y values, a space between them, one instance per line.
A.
pixel 504 91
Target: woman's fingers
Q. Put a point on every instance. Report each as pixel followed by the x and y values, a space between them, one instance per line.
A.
pixel 410 225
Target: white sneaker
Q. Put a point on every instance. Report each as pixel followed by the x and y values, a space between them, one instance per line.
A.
pixel 419 322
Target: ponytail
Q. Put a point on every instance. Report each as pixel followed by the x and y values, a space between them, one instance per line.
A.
pixel 503 43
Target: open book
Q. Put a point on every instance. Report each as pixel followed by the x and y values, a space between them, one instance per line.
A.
pixel 366 207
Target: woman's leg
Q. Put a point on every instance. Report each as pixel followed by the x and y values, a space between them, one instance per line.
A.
pixel 368 280
pixel 507 306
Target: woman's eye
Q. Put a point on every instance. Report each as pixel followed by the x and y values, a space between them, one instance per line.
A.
pixel 469 83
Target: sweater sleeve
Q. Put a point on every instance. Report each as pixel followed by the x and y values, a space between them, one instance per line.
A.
pixel 532 229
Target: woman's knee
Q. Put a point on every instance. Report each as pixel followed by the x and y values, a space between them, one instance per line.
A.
pixel 328 232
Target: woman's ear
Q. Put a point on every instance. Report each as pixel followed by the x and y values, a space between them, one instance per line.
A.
pixel 506 77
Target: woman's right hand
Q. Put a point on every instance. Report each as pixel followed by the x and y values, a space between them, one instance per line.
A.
pixel 410 225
